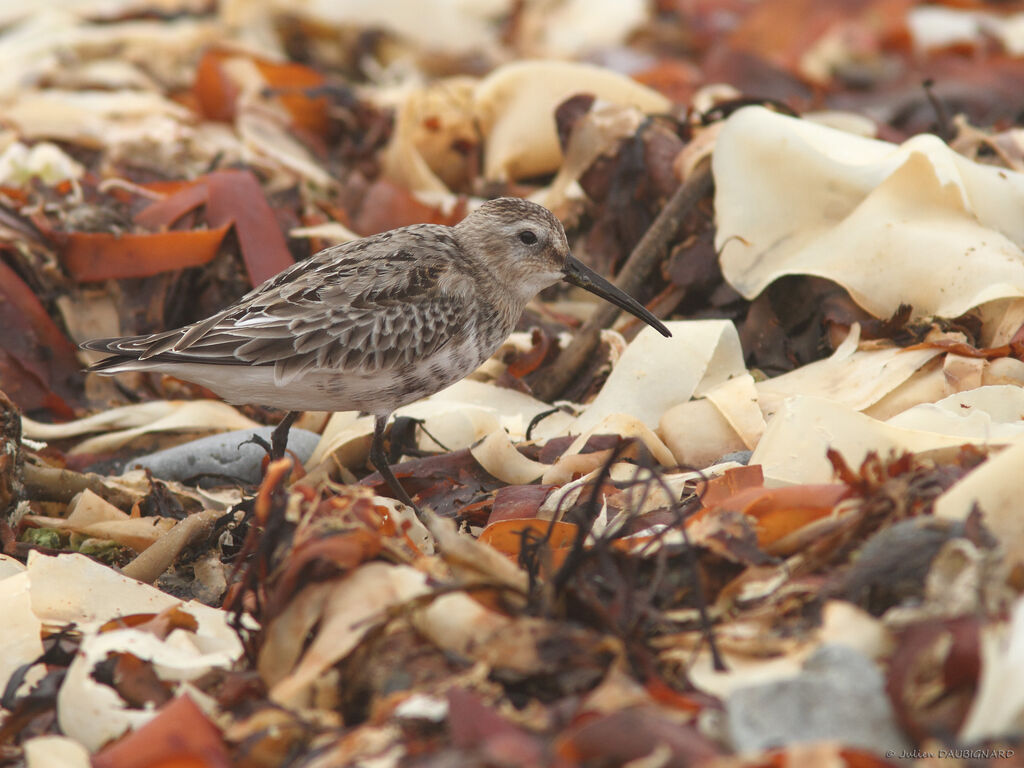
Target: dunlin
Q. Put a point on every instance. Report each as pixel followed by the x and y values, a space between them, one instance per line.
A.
pixel 376 323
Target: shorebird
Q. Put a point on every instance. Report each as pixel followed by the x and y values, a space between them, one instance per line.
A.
pixel 373 324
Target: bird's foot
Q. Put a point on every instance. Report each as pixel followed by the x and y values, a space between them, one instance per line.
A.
pixel 279 437
pixel 277 447
pixel 257 440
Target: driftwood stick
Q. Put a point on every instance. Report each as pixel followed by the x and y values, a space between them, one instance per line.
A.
pixel 150 564
pixel 55 484
pixel 648 252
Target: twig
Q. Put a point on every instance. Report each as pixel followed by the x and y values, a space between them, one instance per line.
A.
pixel 537 420
pixel 54 484
pixel 149 565
pixel 577 553
pixel 690 553
pixel 651 248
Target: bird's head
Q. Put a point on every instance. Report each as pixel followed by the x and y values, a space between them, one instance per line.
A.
pixel 524 245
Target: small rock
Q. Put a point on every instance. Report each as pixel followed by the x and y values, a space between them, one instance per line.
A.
pixel 211 460
pixel 740 457
pixel 839 696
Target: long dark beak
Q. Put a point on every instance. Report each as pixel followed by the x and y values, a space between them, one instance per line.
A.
pixel 577 273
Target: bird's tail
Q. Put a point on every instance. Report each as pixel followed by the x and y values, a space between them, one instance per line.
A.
pixel 127 350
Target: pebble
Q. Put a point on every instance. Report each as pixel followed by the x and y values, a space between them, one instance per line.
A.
pixel 226 457
pixel 838 696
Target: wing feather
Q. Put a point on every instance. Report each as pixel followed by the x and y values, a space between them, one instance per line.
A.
pixel 360 308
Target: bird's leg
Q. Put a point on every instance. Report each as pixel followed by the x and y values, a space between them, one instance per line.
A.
pixel 279 437
pixel 380 461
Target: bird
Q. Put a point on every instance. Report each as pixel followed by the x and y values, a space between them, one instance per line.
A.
pixel 373 324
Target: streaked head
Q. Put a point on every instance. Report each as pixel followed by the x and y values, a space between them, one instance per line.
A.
pixel 525 246
pixel 521 242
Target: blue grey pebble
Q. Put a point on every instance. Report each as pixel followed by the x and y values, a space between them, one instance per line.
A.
pixel 740 457
pixel 218 458
pixel 838 696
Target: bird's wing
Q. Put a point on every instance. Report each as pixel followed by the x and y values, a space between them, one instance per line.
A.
pixel 366 306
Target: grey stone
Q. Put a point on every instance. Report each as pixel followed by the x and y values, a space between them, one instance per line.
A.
pixel 839 696
pixel 211 460
pixel 740 457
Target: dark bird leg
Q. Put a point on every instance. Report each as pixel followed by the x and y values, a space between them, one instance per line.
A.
pixel 279 437
pixel 380 461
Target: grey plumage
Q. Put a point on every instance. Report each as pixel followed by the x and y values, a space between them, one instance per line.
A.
pixel 376 323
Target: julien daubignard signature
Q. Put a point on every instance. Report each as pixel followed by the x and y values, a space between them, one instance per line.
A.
pixel 978 753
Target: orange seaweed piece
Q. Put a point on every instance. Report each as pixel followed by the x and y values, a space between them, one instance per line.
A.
pixel 292 80
pixel 780 511
pixel 92 256
pixel 217 93
pixel 15 194
pixel 236 197
pixel 516 502
pixel 126 195
pixel 387 206
pixel 506 536
pixel 661 693
pixel 159 624
pixel 181 735
pixel 176 203
pixel 731 482
pixel 527 362
pixel 1014 349
pixel 231 198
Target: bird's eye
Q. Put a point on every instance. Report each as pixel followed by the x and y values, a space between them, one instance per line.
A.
pixel 527 237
